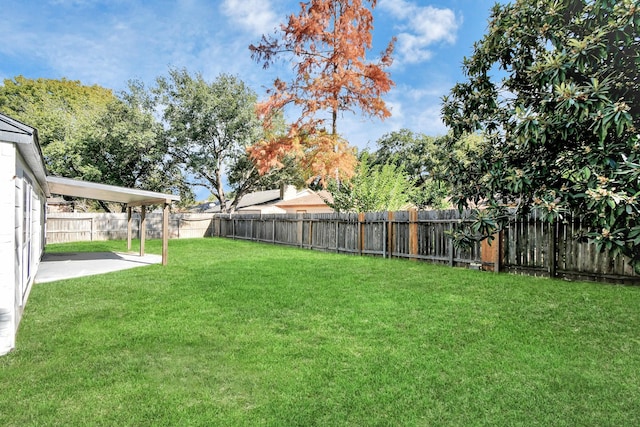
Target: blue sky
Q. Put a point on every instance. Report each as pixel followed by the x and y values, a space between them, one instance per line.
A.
pixel 108 42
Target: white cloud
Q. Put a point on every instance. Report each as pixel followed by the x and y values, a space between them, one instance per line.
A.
pixel 430 121
pixel 421 28
pixel 256 16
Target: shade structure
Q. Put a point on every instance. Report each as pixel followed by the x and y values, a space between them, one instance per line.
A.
pixel 112 193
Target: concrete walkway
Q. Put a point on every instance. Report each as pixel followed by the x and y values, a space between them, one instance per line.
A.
pixel 79 264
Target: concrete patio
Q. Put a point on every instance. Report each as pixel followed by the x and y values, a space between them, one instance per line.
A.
pixel 60 266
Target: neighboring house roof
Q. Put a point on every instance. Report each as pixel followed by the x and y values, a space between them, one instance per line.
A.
pixel 270 202
pixel 259 198
pixel 312 199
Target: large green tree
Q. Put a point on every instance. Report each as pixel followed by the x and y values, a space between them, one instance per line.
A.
pixel 125 147
pixel 61 110
pixel 88 132
pixel 554 86
pixel 209 126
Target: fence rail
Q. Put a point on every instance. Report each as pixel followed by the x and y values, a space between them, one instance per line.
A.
pixel 528 245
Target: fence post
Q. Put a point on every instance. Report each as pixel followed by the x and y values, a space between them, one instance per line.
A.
pixel 360 232
pixel 390 217
pixel 490 253
pixel 451 249
pixel 413 233
pixel 91 230
pixel 499 251
pixel 553 267
pixel 299 227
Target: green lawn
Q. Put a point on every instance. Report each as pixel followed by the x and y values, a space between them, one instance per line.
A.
pixel 238 333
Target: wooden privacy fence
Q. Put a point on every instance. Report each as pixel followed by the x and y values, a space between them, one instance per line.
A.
pixel 74 227
pixel 527 246
pixel 532 246
pixel 415 235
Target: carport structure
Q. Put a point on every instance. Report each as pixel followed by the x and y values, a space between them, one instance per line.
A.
pixel 130 196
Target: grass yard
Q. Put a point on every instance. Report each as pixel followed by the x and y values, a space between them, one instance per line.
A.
pixel 242 334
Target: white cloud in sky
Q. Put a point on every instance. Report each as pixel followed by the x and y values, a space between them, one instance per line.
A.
pixel 422 26
pixel 256 16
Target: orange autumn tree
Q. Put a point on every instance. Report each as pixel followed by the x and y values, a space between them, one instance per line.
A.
pixel 327 43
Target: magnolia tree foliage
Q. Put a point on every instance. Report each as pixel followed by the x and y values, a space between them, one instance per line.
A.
pixel 554 88
pixel 373 188
pixel 327 41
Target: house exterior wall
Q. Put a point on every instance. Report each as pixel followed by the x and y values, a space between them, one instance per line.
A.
pixel 312 209
pixel 8 266
pixel 22 204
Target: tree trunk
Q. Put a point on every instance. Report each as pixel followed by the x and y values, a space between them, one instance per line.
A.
pixel 220 190
pixel 104 206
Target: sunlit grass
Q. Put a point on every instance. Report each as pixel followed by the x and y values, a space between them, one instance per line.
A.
pixel 238 333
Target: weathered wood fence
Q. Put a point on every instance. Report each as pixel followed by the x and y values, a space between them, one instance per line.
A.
pixel 527 246
pixel 416 235
pixel 74 227
pixel 532 246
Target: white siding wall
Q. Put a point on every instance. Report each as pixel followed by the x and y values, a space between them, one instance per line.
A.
pixel 21 230
pixel 8 264
pixel 29 229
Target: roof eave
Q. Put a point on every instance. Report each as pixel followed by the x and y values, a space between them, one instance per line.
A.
pixel 28 145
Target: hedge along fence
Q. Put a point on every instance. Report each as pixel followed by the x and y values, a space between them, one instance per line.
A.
pixel 527 246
